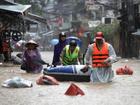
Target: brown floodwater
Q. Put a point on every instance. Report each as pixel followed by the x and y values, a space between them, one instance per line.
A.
pixel 123 90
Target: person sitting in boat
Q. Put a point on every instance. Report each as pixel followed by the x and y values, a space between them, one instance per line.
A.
pixel 71 54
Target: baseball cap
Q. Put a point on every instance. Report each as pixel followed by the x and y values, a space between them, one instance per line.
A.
pixel 99 35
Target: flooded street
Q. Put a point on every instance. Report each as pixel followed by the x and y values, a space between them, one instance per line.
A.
pixel 124 90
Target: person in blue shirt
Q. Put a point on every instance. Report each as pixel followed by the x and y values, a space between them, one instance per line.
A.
pixel 58 48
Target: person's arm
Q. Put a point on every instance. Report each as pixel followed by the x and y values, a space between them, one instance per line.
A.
pixel 88 55
pixel 112 55
pixel 38 59
pixel 62 55
pixel 55 50
pixel 24 54
pixel 79 57
pixel 38 54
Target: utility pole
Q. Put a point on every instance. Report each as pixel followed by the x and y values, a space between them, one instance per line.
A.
pixel 123 24
pixel 130 28
pixel 127 27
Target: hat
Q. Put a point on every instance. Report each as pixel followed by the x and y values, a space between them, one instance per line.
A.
pixel 99 35
pixel 73 43
pixel 31 42
pixel 62 34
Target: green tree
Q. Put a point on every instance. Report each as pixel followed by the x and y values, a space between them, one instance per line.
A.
pixel 22 1
pixel 111 33
pixel 109 30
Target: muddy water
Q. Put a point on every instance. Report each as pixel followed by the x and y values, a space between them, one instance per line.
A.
pixel 124 90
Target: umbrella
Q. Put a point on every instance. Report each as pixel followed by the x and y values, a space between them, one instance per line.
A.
pixel 54 41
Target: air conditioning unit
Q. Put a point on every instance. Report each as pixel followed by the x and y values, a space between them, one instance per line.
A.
pixel 106 20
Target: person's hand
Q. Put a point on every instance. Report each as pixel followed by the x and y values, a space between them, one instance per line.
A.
pixel 85 69
pixel 107 61
pixel 47 64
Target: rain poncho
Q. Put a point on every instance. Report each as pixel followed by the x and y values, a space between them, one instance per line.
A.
pixel 57 51
pixel 102 74
pixel 31 59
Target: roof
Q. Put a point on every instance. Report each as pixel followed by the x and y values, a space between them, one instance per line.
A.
pixel 5 2
pixel 18 8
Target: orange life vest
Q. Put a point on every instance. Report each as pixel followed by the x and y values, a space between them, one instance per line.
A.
pixel 98 56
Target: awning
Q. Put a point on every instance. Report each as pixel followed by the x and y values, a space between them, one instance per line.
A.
pixel 36 17
pixel 15 8
pixel 30 21
pixel 5 2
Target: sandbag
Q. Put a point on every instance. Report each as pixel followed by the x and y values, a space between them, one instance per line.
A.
pixel 126 70
pixel 46 80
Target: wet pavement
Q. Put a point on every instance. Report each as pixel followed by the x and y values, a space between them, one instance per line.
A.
pixel 123 90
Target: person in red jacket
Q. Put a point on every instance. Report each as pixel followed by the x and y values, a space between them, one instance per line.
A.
pixel 6 49
pixel 100 55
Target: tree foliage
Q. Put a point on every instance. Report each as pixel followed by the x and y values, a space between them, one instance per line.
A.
pixel 23 1
pixel 109 30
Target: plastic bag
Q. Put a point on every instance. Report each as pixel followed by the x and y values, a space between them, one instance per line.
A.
pixel 17 82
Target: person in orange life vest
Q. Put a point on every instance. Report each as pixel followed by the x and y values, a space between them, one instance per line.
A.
pixel 71 54
pixel 102 55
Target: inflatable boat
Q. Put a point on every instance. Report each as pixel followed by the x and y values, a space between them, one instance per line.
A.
pixel 68 73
